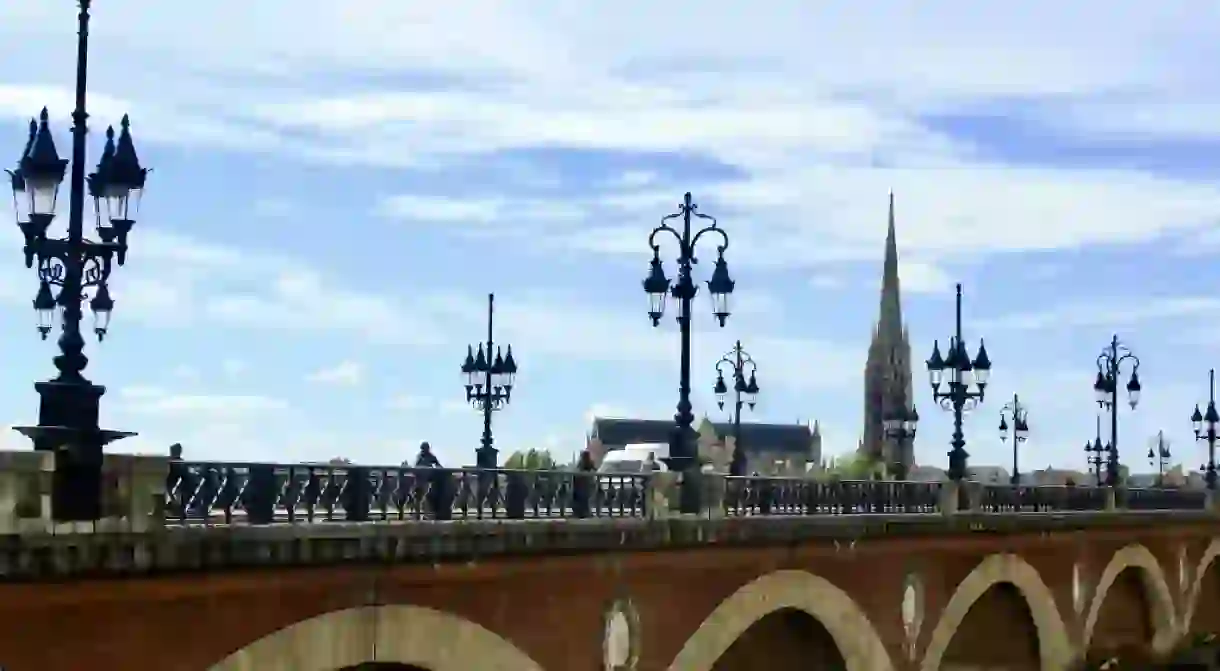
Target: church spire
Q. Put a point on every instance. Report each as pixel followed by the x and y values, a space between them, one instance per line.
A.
pixel 888 383
pixel 889 323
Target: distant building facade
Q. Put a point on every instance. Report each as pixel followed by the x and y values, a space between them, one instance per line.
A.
pixel 887 371
pixel 770 449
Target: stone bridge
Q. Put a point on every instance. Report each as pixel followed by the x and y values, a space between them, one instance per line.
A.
pixel 954 587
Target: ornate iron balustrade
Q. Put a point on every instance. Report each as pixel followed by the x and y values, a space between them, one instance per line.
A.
pixel 1042 499
pixel 226 493
pixel 1152 498
pixel 755 495
pixel 255 493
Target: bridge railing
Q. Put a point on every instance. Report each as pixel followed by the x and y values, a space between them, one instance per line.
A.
pixel 1043 498
pixel 256 493
pixel 259 493
pixel 141 493
pixel 755 495
pixel 1150 498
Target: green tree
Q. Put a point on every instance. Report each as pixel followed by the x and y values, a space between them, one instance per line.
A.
pixel 530 460
pixel 852 467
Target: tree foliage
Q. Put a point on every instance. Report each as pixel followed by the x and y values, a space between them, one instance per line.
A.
pixel 531 460
pixel 852 467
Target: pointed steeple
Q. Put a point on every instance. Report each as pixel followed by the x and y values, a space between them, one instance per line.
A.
pixel 889 323
pixel 888 379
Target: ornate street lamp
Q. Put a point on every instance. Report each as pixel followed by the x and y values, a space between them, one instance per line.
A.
pixel 1096 449
pixel 745 393
pixel 899 423
pixel 70 270
pixel 682 457
pixel 966 385
pixel 489 384
pixel 1020 431
pixel 1205 425
pixel 1109 369
pixel 1159 456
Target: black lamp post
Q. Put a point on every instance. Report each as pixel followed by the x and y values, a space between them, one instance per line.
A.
pixel 682 457
pixel 1205 429
pixel 738 360
pixel 967 384
pixel 1096 449
pixel 1020 431
pixel 899 423
pixel 1159 456
pixel 489 384
pixel 1109 368
pixel 70 269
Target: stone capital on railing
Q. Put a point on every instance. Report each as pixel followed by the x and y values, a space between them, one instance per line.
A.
pixel 713 493
pixel 948 497
pixel 133 498
pixel 133 494
pixel 1111 499
pixel 662 495
pixel 974 495
pixel 1212 502
pixel 25 491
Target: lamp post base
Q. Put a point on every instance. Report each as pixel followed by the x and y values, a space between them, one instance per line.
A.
pixel 957 464
pixel 67 425
pixel 486 457
pixel 65 404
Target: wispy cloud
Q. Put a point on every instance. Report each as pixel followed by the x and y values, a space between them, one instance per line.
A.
pixel 528 149
pixel 154 400
pixel 345 374
pixel 1115 312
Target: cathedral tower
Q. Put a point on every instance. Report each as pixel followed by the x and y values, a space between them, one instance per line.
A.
pixel 887 373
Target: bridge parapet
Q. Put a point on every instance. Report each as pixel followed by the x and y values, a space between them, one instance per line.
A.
pixel 133 495
pixel 219 492
pixel 173 515
pixel 910 559
pixel 143 492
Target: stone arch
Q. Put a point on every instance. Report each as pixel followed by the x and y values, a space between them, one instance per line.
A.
pixel 403 634
pixel 1054 646
pixel 853 633
pixel 1156 587
pixel 1196 584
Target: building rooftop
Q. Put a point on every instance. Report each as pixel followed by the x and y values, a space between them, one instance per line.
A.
pixel 792 438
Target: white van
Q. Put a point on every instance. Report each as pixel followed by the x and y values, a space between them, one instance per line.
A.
pixel 631 458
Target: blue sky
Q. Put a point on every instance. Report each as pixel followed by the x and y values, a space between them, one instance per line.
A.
pixel 338 185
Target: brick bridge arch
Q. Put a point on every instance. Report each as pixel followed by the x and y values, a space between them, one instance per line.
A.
pixel 401 634
pixel 858 641
pixel 1054 646
pixel 1195 593
pixel 1162 613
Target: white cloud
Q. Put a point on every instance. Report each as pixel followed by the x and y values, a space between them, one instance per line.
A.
pixel 158 401
pixel 808 120
pixel 555 327
pixel 917 277
pixel 410 403
pixel 186 372
pixel 606 410
pixel 824 281
pixel 345 373
pixel 415 403
pixel 1115 312
pixel 275 208
pixel 815 109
